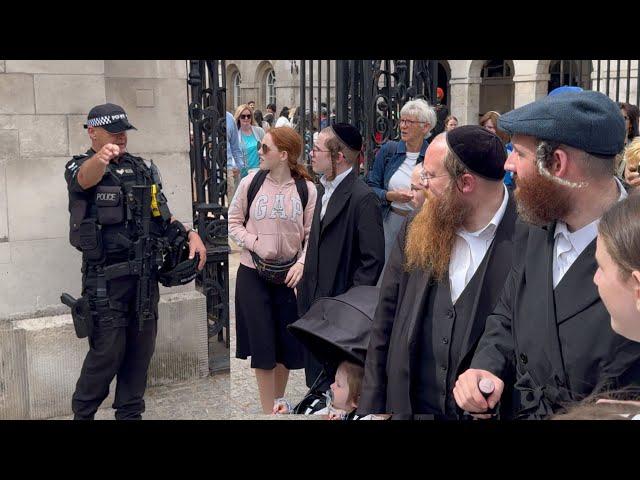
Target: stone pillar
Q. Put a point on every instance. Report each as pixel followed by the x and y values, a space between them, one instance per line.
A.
pixel 529 88
pixel 465 100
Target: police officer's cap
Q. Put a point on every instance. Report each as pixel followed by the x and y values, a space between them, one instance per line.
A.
pixel 109 116
pixel 587 120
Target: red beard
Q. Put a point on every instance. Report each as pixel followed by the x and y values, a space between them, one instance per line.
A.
pixel 431 234
pixel 541 201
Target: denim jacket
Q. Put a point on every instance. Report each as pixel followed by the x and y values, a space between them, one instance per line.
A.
pixel 387 161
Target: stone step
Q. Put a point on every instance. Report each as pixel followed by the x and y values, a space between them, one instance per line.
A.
pixel 41 358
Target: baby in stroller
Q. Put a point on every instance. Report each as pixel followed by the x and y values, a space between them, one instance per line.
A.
pixel 336 331
pixel 338 403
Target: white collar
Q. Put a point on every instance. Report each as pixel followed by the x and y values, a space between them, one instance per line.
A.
pixel 584 236
pixel 494 222
pixel 332 184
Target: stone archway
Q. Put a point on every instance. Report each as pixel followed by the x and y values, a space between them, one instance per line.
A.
pixel 263 71
pixel 444 76
pixel 234 80
pixel 497 89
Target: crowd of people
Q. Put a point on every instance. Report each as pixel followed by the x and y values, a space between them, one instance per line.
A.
pixel 505 252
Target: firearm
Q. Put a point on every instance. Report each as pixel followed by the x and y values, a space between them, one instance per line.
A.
pixel 143 248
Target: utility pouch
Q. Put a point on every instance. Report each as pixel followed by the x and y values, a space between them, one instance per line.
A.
pixel 110 205
pixel 78 211
pixel 90 234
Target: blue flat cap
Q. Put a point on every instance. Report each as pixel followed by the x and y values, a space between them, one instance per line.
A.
pixel 565 89
pixel 586 120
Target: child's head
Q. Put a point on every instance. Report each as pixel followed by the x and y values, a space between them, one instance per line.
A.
pixel 346 387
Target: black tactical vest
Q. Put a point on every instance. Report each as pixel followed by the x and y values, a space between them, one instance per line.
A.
pixel 104 212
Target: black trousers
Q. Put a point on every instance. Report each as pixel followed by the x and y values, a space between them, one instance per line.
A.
pixel 116 349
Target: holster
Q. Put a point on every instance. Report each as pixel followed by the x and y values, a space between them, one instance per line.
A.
pixel 82 318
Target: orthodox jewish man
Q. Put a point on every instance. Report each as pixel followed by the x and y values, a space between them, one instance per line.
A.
pixel 346 243
pixel 443 278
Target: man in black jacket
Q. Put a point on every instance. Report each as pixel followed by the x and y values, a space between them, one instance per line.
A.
pixel 443 278
pixel 550 328
pixel 346 243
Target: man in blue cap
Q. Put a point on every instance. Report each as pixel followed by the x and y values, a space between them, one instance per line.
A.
pixel 550 333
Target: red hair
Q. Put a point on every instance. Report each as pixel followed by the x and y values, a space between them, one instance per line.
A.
pixel 286 139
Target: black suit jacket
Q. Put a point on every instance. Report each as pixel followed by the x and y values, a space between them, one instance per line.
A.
pixel 346 248
pixel 558 343
pixel 401 308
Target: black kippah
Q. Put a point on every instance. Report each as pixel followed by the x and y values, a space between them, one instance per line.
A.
pixel 349 135
pixel 479 150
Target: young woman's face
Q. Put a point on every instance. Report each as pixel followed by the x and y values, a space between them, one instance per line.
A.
pixel 489 125
pixel 245 117
pixel 451 124
pixel 269 155
pixel 618 295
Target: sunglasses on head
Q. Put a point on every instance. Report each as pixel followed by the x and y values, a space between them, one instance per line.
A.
pixel 245 116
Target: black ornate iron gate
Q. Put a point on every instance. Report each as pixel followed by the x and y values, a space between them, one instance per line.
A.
pixel 207 110
pixel 366 93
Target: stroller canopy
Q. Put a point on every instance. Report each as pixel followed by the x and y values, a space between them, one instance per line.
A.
pixel 337 328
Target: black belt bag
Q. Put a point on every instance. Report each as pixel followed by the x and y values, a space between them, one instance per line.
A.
pixel 273 271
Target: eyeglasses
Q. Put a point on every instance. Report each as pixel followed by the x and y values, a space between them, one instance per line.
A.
pixel 409 122
pixel 316 150
pixel 245 117
pixel 425 178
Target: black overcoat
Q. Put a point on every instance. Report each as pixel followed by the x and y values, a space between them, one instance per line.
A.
pixel 346 248
pixel 558 342
pixel 402 306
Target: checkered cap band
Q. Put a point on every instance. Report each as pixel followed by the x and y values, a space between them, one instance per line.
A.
pixel 106 120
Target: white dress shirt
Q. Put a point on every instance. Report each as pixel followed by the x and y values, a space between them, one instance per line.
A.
pixel 470 248
pixel 569 245
pixel 330 187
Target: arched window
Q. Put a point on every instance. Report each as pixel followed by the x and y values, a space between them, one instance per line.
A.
pixel 236 80
pixel 496 69
pixel 270 87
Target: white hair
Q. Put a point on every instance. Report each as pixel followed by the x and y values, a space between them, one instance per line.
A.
pixel 421 110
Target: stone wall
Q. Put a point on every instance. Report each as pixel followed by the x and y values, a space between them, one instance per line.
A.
pixel 43 105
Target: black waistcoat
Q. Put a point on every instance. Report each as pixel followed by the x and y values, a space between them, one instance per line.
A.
pixel 439 345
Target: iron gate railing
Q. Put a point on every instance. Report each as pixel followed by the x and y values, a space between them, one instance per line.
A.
pixel 207 117
pixel 366 93
pixel 618 87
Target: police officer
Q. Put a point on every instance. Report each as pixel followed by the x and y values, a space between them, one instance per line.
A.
pixel 108 209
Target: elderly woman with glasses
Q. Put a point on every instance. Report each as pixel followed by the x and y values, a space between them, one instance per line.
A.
pixel 250 136
pixel 390 177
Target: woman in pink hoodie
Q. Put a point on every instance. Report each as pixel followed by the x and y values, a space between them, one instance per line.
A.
pixel 276 232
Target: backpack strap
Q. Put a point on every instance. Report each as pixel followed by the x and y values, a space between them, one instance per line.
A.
pixel 303 191
pixel 254 186
pixel 301 185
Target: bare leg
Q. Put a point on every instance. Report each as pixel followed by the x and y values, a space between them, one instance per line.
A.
pixel 266 388
pixel 281 378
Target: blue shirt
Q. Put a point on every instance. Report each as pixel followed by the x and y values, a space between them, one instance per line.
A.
pixel 234 152
pixel 251 147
